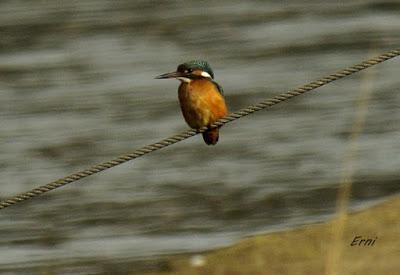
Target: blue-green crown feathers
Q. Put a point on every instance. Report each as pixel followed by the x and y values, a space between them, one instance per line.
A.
pixel 197 64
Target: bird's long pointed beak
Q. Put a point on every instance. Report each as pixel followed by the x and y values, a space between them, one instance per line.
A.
pixel 170 75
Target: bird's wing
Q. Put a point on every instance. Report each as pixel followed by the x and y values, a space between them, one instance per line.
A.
pixel 220 90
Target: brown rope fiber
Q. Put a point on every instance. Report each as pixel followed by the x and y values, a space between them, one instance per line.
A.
pixel 189 133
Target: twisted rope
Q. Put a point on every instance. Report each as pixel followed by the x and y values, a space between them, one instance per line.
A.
pixel 189 133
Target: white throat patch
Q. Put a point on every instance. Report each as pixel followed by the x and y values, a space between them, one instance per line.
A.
pixel 184 79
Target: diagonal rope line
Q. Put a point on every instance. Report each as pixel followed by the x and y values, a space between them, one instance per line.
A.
pixel 190 133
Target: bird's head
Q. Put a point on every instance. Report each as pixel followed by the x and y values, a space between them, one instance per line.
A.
pixel 186 72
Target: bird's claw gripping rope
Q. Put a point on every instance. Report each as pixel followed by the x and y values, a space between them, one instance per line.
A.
pixel 189 133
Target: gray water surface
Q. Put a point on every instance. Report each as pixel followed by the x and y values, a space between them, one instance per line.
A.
pixel 77 88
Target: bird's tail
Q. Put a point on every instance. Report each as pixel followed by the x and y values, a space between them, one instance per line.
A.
pixel 211 136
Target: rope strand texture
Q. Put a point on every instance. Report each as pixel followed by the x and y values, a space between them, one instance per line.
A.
pixel 190 133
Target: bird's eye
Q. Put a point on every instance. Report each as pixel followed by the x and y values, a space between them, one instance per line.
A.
pixel 188 70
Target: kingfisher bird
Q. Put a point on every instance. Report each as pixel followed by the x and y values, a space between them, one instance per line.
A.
pixel 201 98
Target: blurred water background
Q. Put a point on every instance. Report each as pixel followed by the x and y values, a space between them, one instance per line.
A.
pixel 77 87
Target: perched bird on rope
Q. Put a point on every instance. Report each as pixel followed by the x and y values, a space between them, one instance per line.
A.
pixel 201 98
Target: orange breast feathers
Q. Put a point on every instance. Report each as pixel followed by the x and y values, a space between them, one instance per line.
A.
pixel 201 103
